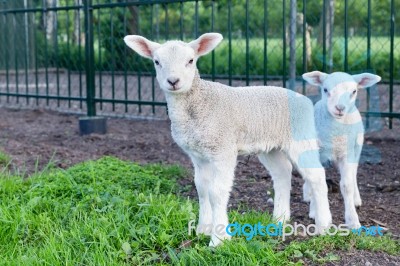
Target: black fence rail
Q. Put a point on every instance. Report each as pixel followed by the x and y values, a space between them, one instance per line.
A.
pixel 69 54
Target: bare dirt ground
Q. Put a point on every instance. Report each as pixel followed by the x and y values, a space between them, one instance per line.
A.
pixel 33 138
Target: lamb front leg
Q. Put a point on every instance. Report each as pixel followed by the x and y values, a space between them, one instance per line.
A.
pixel 357 154
pixel 347 187
pixel 202 178
pixel 214 180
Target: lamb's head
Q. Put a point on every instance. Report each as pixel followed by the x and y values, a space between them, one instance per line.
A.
pixel 339 90
pixel 174 61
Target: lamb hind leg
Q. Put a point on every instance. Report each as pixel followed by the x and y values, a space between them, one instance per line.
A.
pixel 309 166
pixel 280 169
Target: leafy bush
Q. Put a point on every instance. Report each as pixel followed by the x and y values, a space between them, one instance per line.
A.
pixel 111 54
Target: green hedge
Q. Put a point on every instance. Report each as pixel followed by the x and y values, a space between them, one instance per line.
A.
pixel 117 57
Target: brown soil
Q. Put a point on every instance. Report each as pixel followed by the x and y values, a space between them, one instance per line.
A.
pixel 33 138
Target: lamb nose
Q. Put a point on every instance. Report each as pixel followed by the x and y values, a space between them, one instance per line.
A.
pixel 173 81
pixel 340 107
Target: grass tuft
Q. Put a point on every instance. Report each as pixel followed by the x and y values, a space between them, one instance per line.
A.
pixel 5 159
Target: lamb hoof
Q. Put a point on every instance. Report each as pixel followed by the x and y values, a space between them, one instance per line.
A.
pixel 323 220
pixel 355 225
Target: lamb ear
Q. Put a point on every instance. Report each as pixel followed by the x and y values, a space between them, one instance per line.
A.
pixel 141 45
pixel 206 43
pixel 315 78
pixel 366 80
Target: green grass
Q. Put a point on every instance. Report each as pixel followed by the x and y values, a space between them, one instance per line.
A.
pixel 112 212
pixel 5 159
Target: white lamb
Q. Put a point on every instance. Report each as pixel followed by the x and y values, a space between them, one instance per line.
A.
pixel 341 132
pixel 214 123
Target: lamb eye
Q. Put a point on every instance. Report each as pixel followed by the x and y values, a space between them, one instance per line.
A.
pixel 354 92
pixel 325 90
pixel 191 61
pixel 156 62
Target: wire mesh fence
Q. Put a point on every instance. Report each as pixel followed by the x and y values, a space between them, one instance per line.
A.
pixel 69 54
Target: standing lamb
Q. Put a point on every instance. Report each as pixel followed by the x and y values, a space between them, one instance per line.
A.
pixel 341 132
pixel 214 123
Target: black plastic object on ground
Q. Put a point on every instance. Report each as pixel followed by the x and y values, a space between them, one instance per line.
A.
pixel 96 124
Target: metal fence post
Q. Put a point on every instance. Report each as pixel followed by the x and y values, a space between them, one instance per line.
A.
pixel 89 54
pixel 91 123
pixel 391 74
pixel 292 43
